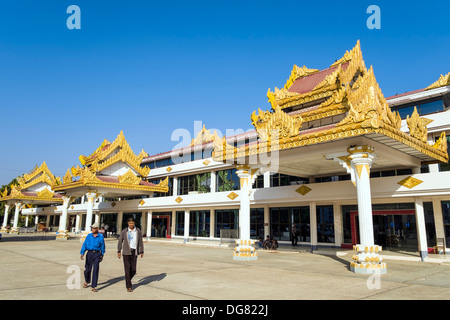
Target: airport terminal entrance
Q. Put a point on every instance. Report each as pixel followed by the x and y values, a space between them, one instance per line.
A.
pixel 393 229
pixel 161 225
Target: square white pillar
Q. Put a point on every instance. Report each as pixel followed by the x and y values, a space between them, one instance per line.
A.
pixel 313 225
pixel 421 229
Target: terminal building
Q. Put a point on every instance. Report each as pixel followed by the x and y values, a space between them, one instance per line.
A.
pixel 333 156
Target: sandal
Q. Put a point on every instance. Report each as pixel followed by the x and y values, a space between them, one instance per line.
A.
pixel 85 285
pixel 94 290
pixel 130 290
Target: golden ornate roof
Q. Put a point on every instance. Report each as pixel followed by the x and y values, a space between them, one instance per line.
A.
pixel 204 136
pixel 108 154
pixel 23 192
pixel 347 90
pixel 441 82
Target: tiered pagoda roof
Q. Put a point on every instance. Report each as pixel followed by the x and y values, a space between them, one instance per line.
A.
pixel 112 166
pixel 342 101
pixel 34 187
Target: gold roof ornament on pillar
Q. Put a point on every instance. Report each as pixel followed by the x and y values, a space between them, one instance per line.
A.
pixel 96 170
pixel 347 96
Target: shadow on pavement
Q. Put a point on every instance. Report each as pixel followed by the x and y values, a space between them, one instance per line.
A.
pixel 141 282
pixel 27 238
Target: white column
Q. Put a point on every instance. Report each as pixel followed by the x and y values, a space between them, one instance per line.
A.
pixel 313 225
pixel 91 196
pixel 245 249
pixel 244 210
pixel 421 228
pixel 213 181
pixel 266 218
pixel 438 218
pixel 36 220
pixel 366 260
pixel 26 222
pixel 149 224
pixel 212 222
pixel 338 236
pixel 267 180
pixel 173 223
pixel 360 164
pixel 47 222
pixel 62 232
pixel 119 221
pixel 175 186
pixel 5 217
pixel 186 224
pixel 15 228
pixel 97 218
pixel 78 223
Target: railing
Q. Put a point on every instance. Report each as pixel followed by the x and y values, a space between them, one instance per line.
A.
pixel 26 230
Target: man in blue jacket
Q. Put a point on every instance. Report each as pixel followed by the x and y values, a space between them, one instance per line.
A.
pixel 94 244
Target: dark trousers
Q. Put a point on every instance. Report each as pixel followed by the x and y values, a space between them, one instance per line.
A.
pixel 129 263
pixel 92 265
pixel 294 240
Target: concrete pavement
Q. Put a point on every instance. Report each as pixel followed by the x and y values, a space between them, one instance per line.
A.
pixel 174 271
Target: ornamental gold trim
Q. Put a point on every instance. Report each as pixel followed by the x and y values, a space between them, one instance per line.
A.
pixel 204 136
pixel 45 194
pixel 178 200
pixel 303 190
pixel 232 195
pixel 410 182
pixel 129 178
pixel 418 126
pixel 297 73
pixel 441 82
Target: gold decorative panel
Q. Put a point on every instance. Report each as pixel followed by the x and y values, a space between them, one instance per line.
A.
pixel 303 190
pixel 410 182
pixel 233 195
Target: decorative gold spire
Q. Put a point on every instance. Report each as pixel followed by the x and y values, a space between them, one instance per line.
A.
pixel 418 126
pixel 441 143
pixel 204 136
pixel 129 177
pixel 441 82
pixel 268 124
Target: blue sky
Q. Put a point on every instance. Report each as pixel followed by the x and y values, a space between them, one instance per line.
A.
pixel 148 68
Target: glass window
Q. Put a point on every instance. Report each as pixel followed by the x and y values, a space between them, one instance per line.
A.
pixel 257 223
pixel 227 180
pixel 325 224
pixel 226 219
pixel 446 217
pixel 282 219
pixel 431 107
pixel 429 224
pixel 404 112
pixel 199 222
pixel 197 182
pixel 179 225
pixel 279 180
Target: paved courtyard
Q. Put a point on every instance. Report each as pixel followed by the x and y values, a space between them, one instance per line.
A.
pixel 173 271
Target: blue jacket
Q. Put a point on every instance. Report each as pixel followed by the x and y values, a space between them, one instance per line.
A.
pixel 93 243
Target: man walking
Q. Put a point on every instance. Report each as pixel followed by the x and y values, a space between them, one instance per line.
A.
pixel 131 245
pixel 94 244
pixel 294 235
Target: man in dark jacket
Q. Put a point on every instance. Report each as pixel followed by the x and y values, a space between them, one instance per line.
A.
pixel 130 245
